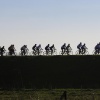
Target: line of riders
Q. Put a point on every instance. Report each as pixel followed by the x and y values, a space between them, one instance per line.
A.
pixel 50 50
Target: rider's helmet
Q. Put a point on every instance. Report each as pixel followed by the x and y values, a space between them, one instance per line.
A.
pixel 64 43
pixel 80 42
pixel 53 45
pixel 48 44
pixel 39 45
pixel 84 44
pixel 24 46
pixel 68 44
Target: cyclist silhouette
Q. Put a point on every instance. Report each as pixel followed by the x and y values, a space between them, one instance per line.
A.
pixel 79 47
pixel 63 48
pixel 39 48
pixel 99 48
pixel 12 49
pixel 34 48
pixel 68 48
pixel 24 50
pixel 2 51
pixel 47 48
pixel 96 48
pixel 84 48
pixel 52 48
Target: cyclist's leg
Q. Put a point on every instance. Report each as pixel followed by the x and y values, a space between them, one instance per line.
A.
pixel 96 51
pixel 84 51
pixel 61 50
pixel 79 50
pixel 51 51
pixel 38 51
pixel 46 52
pixel 99 51
pixel 0 52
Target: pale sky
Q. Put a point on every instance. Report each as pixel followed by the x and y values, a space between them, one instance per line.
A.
pixel 49 21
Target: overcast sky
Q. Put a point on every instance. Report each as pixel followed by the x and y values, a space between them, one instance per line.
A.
pixel 49 21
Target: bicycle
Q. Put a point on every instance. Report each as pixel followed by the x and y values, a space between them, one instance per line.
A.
pixel 35 53
pixel 3 53
pixel 11 53
pixel 67 52
pixel 23 53
pixel 82 53
pixel 95 52
pixel 49 52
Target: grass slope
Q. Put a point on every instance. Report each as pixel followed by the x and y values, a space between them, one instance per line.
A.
pixel 50 72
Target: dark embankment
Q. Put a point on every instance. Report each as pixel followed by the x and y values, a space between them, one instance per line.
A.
pixel 50 72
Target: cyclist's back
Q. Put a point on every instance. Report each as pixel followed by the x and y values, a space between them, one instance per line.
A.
pixel 79 45
pixel 83 48
pixel 99 47
pixel 63 48
pixel 2 50
pixel 39 47
pixel 52 47
pixel 11 49
pixel 23 48
pixel 34 47
pixel 96 47
pixel 47 47
pixel 68 47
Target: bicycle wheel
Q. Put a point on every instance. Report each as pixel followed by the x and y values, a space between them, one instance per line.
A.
pixel 55 53
pixel 77 52
pixel 41 53
pixel 15 54
pixel 94 52
pixel 27 53
pixel 8 54
pixel 33 53
pixel 71 52
pixel 44 53
pixel 20 54
pixel 86 53
pixel 60 53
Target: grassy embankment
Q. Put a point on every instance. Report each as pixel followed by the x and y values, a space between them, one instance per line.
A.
pixel 53 94
pixel 50 72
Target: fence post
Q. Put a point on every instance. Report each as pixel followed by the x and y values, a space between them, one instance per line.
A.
pixel 93 95
pixel 64 96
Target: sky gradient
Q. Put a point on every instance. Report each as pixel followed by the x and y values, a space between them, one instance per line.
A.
pixel 49 21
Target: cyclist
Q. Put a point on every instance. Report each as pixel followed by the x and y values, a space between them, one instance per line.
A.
pixel 24 49
pixel 68 48
pixel 47 48
pixel 79 47
pixel 39 48
pixel 84 48
pixel 34 48
pixel 2 51
pixel 12 49
pixel 99 48
pixel 96 48
pixel 52 49
pixel 63 48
